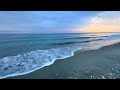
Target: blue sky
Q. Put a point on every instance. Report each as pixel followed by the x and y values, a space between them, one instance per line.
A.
pixel 49 21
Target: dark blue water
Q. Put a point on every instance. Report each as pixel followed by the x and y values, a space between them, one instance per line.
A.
pixel 25 53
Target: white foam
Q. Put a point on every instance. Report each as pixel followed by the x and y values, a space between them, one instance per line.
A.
pixel 31 61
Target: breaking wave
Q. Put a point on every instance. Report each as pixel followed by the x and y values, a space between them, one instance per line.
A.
pixel 31 61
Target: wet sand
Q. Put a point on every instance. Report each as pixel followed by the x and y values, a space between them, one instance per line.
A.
pixel 94 64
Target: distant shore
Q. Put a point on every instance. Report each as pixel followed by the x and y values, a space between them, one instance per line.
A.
pixel 103 63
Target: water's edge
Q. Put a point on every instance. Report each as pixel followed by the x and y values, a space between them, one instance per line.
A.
pixel 47 64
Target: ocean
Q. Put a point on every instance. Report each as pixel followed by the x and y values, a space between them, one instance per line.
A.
pixel 24 53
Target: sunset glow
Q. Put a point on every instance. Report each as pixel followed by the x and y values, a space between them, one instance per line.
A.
pixel 103 22
pixel 102 29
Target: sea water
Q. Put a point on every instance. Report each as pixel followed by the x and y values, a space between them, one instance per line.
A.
pixel 24 53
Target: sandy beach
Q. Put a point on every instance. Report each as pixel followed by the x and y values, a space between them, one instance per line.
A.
pixel 103 63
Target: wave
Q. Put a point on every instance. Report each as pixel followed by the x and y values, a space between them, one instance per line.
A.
pixel 40 39
pixel 34 60
pixel 73 42
pixel 78 37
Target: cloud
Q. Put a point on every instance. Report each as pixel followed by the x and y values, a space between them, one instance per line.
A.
pixel 108 21
pixel 22 21
pixel 42 21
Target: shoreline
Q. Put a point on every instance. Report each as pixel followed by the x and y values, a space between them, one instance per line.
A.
pixel 13 75
pixel 83 65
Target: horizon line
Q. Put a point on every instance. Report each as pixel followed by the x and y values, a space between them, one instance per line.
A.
pixel 57 33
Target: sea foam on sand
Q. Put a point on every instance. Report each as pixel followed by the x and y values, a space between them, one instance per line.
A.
pixel 31 61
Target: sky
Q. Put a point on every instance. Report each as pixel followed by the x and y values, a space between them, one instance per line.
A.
pixel 59 21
